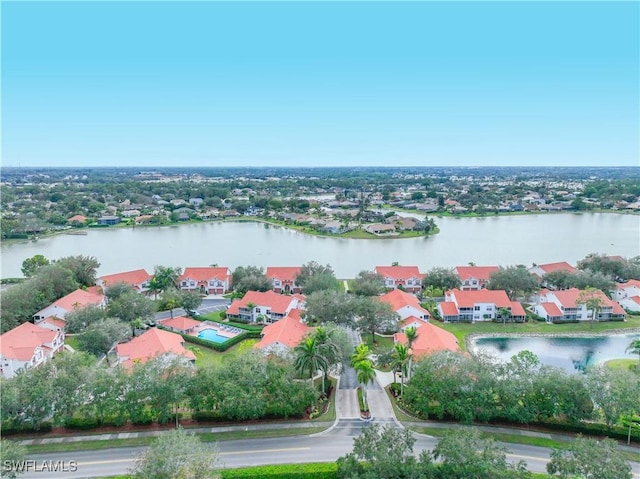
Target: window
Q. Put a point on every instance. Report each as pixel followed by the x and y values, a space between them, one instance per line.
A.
pixel 476 308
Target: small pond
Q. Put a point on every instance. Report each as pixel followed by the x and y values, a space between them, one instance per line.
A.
pixel 572 354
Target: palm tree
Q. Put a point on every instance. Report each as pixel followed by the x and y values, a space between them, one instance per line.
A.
pixel 136 324
pixel 366 375
pixel 634 348
pixel 401 355
pixel 309 357
pixel 591 298
pixel 361 354
pixel 172 303
pixel 411 334
pixel 329 349
pixel 504 313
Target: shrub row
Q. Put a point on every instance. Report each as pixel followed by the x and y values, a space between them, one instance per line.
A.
pixel 8 428
pixel 245 326
pixel 594 429
pixel 322 470
pixel 222 347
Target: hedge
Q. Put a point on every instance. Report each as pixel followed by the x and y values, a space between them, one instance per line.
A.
pixel 594 429
pixel 8 428
pixel 222 347
pixel 322 470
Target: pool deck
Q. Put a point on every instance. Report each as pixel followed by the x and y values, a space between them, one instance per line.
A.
pixel 222 330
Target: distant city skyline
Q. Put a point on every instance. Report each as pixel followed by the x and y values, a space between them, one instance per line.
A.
pixel 313 84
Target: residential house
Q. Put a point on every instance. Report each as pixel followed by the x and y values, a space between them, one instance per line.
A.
pixel 565 305
pixel 267 307
pixel 380 229
pixel 479 305
pixel 473 278
pixel 405 304
pixel 181 324
pixel 540 270
pixel 409 277
pixel 631 303
pixel 77 299
pixel 151 344
pixel 196 201
pixel 284 278
pixel 27 346
pixel 430 339
pixel 138 279
pixel 626 290
pixel 77 219
pixel 206 280
pixel 109 220
pixel 281 337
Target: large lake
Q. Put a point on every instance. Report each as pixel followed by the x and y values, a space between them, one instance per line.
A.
pixel 502 240
pixel 572 354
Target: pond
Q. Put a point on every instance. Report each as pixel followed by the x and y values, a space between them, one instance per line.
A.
pixel 571 353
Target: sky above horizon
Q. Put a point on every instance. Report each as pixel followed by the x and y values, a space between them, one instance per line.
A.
pixel 320 83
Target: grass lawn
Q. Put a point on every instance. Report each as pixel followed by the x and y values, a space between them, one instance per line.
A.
pixel 72 341
pixel 207 356
pixel 383 343
pixel 461 330
pixel 621 363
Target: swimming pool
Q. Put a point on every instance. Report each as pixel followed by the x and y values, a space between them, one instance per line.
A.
pixel 211 334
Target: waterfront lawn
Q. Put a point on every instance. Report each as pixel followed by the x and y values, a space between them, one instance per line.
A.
pixel 461 330
pixel 621 363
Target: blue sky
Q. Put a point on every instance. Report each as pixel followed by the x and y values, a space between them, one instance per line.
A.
pixel 320 83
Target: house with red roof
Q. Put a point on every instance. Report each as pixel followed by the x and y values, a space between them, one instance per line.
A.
pixel 474 278
pixel 409 277
pixel 206 280
pixel 151 344
pixel 479 305
pixel 430 339
pixel 27 346
pixel 566 305
pixel 539 270
pixel 138 279
pixel 77 299
pixel 77 219
pixel 181 324
pixel 626 290
pixel 281 337
pixel 405 304
pixel 631 303
pixel 264 307
pixel 284 278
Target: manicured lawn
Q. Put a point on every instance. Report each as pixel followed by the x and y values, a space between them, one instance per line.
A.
pixel 460 330
pixel 621 363
pixel 71 341
pixel 383 343
pixel 207 357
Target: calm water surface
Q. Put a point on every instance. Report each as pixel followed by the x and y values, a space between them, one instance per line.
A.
pixel 493 240
pixel 569 353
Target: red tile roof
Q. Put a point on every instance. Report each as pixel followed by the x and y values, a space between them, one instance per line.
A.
pixel 398 272
pixel 78 299
pixel 288 331
pixel 560 266
pixel 635 299
pixel 283 273
pixel 517 309
pixel 569 297
pixel 552 310
pixel 57 322
pixel 150 344
pixel 628 284
pixel 78 218
pixel 431 338
pixel 412 319
pixel 181 323
pixel 399 299
pixel 134 277
pixel 205 273
pixel 467 299
pixel 478 272
pixel 21 342
pixel 278 303
pixel 449 309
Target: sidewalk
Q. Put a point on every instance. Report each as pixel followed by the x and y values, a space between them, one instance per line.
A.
pixel 198 430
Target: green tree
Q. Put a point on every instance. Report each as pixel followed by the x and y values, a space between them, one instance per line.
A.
pixel 463 453
pixel 130 306
pixel 31 265
pixel 374 315
pixel 504 313
pixel 515 280
pixel 587 458
pixel 399 362
pixel 80 319
pixel 411 333
pixel 166 277
pixel 316 277
pixel 611 267
pixel 177 454
pixel 367 283
pixel 250 278
pixel 330 306
pixel 102 335
pixel 329 349
pixel 634 348
pixel 614 392
pixel 84 268
pixel 309 356
pixel 190 300
pixel 441 278
pixel 12 458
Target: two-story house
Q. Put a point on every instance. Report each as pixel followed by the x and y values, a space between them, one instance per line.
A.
pixel 483 305
pixel 264 307
pixel 409 277
pixel 283 278
pixel 474 278
pixel 151 344
pixel 206 280
pixel 539 270
pixel 281 337
pixel 568 305
pixel 138 279
pixel 77 299
pixel 27 346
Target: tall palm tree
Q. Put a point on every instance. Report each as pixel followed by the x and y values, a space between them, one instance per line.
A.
pixel 309 357
pixel 365 375
pixel 411 334
pixel 329 349
pixel 400 359
pixel 361 354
